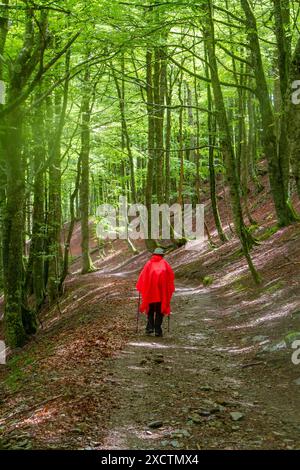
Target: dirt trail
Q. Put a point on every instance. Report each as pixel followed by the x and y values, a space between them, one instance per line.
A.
pixel 195 388
pixel 88 381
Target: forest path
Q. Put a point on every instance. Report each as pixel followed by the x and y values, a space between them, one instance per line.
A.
pixel 88 381
pixel 195 387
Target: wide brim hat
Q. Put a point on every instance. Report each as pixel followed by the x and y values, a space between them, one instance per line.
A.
pixel 159 251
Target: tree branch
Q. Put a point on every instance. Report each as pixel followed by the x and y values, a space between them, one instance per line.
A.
pixel 9 108
pixel 207 80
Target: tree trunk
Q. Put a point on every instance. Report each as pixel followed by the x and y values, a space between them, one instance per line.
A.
pixel 73 196
pixel 18 320
pixel 13 229
pixel 293 120
pixel 196 141
pixel 180 141
pixel 126 141
pixel 87 265
pixel 37 246
pixel 151 142
pixel 159 101
pixel 252 142
pixel 3 35
pixel 226 144
pixel 283 38
pixel 212 129
pixel 54 214
pixel 277 166
pixel 169 91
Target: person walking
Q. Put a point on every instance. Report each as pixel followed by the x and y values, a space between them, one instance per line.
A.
pixel 156 287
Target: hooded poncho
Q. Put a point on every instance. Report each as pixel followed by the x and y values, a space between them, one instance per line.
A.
pixel 156 284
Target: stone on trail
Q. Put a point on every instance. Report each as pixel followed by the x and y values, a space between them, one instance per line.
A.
pixel 235 428
pixel 164 443
pixel 196 419
pixel 215 424
pixel 297 381
pixel 236 416
pixel 206 388
pixel 180 433
pixel 155 424
pixel 176 444
pixel 204 413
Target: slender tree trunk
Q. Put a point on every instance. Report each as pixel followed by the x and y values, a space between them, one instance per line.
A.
pixel 13 229
pixel 180 141
pixel 226 144
pixel 197 141
pixel 283 37
pixel 37 246
pixel 151 142
pixel 126 141
pixel 212 129
pixel 277 167
pixel 3 35
pixel 55 211
pixel 252 142
pixel 87 265
pixel 293 120
pixel 159 102
pixel 73 195
pixel 54 215
pixel 169 91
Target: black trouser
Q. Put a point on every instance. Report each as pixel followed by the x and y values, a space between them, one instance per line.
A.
pixel 155 319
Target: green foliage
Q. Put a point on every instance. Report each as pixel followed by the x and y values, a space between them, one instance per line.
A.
pixel 253 228
pixel 273 288
pixel 268 233
pixel 17 371
pixel 240 283
pixel 208 281
pixel 239 287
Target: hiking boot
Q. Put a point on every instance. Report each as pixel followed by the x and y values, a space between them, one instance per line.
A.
pixel 149 332
pixel 159 335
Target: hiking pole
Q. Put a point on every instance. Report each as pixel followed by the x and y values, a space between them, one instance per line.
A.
pixel 138 314
pixel 169 323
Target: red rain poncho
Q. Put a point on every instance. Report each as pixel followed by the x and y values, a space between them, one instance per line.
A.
pixel 156 284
